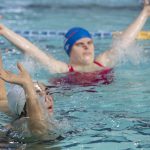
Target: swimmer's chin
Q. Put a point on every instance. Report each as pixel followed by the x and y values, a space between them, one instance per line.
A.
pixel 88 60
pixel 50 113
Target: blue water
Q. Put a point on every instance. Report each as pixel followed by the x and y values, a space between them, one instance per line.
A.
pixel 106 117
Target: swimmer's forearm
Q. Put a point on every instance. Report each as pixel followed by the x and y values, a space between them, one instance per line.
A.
pixel 27 47
pixel 23 44
pixel 130 34
pixel 108 58
pixel 3 95
pixel 33 106
pixel 37 123
pixel 17 40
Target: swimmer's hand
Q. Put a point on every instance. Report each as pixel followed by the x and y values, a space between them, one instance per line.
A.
pixel 23 78
pixel 146 2
pixel 147 6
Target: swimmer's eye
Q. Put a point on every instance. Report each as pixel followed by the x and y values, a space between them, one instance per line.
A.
pixel 38 91
pixel 37 88
pixel 79 44
pixel 90 42
pixel 48 93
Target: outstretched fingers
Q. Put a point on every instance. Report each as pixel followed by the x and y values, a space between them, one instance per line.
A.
pixel 3 74
pixel 22 78
pixel 8 76
pixel 22 71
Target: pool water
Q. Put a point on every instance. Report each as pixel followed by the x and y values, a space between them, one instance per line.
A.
pixel 105 117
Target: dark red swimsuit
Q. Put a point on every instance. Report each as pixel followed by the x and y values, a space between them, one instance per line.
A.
pixel 85 79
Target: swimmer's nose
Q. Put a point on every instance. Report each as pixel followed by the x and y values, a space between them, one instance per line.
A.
pixel 85 46
pixel 49 103
pixel 49 99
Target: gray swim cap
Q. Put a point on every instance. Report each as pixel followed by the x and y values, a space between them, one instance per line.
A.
pixel 16 99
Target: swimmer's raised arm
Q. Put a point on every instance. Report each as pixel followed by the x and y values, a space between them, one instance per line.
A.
pixel 37 123
pixel 3 96
pixel 28 48
pixel 127 37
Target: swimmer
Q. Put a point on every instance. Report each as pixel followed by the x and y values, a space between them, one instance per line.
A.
pixel 26 100
pixel 79 46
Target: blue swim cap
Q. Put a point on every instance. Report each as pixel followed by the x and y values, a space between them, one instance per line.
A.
pixel 73 35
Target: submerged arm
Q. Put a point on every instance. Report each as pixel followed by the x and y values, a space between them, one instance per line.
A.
pixel 126 38
pixel 27 47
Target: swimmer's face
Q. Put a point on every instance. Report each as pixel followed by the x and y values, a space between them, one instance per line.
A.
pixel 48 100
pixel 49 103
pixel 82 52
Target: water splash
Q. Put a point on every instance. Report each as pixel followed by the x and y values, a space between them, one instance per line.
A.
pixel 29 64
pixel 133 54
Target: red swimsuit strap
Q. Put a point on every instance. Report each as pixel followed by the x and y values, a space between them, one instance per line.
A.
pixel 98 63
pixel 70 68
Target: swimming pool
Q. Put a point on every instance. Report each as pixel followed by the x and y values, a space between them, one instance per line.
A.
pixel 114 116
